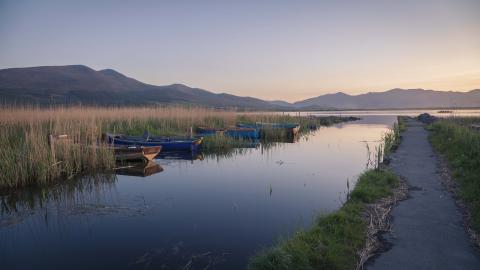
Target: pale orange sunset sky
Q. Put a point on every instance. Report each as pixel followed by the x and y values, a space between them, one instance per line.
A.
pixel 287 50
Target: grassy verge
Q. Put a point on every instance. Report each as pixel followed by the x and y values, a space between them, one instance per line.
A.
pixel 461 146
pixel 333 240
pixel 391 139
pixel 401 123
pixel 27 158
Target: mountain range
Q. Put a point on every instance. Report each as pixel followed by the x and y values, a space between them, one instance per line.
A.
pixel 78 84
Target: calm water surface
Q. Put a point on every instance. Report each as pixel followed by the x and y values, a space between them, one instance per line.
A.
pixel 213 212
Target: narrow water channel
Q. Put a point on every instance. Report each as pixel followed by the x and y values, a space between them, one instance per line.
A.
pixel 210 211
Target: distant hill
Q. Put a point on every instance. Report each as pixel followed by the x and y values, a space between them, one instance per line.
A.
pixel 394 99
pixel 78 84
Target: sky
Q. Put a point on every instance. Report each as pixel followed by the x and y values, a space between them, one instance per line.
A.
pixel 288 50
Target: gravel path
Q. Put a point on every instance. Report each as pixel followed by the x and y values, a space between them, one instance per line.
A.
pixel 428 232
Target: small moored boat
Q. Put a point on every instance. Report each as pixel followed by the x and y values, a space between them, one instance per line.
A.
pixel 206 131
pixel 243 132
pixel 292 128
pixel 168 144
pixel 235 132
pixel 145 153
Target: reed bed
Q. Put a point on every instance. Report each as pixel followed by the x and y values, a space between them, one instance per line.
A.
pixel 27 157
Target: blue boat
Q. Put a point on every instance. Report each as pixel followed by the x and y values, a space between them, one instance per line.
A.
pixel 235 132
pixel 292 128
pixel 168 144
pixel 270 125
pixel 243 132
pixel 205 131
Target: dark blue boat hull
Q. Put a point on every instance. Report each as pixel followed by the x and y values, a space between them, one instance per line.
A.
pixel 251 133
pixel 167 144
pixel 239 132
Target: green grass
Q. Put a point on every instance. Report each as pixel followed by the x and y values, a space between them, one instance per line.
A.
pixel 334 239
pixel 461 146
pixel 391 139
pixel 401 123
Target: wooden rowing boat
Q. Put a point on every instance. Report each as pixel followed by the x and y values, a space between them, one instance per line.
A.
pixel 145 153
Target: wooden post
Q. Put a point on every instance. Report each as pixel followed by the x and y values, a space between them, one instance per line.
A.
pixel 52 147
pixel 191 132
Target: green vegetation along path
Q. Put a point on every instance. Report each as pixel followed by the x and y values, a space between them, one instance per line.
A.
pixel 428 232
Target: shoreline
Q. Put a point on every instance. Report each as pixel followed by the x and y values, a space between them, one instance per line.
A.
pixel 347 237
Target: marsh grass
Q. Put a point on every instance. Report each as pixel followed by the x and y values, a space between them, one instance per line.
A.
pixel 389 142
pixel 391 139
pixel 221 145
pixel 27 158
pixel 461 146
pixel 334 239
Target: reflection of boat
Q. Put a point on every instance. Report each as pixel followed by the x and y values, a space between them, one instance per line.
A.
pixel 235 132
pixel 181 156
pixel 168 144
pixel 140 169
pixel 145 153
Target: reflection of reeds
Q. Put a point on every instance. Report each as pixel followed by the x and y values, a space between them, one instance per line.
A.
pixel 68 194
pixel 27 157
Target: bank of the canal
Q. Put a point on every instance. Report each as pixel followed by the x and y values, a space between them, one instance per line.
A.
pixel 346 238
pixel 428 230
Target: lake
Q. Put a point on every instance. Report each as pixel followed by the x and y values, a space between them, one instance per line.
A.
pixel 191 213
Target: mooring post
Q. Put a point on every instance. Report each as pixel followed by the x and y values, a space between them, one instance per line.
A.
pixel 52 147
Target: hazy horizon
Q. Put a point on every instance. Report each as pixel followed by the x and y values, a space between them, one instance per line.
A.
pixel 274 50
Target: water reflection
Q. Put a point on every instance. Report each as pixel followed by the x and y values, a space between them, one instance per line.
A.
pixel 201 211
pixel 181 156
pixel 75 196
pixel 139 169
